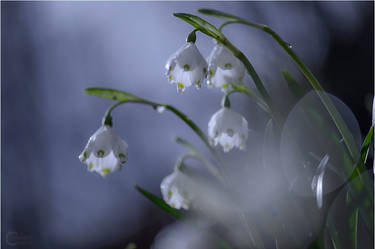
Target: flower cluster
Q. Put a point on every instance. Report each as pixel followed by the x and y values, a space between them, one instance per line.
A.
pixel 187 67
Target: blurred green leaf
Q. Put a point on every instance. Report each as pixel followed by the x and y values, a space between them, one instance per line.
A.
pixel 112 94
pixel 212 12
pixel 131 246
pixel 293 86
pixel 353 225
pixel 360 166
pixel 159 202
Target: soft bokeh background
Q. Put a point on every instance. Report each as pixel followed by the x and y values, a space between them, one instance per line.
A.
pixel 51 51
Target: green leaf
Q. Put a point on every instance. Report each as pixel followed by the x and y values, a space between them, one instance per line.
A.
pixel 131 246
pixel 353 225
pixel 212 12
pixel 159 202
pixel 334 236
pixel 293 86
pixel 200 24
pixel 112 94
pixel 360 166
pixel 366 145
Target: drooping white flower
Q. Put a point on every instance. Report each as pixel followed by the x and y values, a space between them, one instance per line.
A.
pixel 105 151
pixel 228 128
pixel 224 68
pixel 186 67
pixel 174 190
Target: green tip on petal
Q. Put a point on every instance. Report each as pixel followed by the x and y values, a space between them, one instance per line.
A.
pixel 170 77
pixel 225 86
pixel 106 170
pixel 85 154
pixel 230 132
pixel 186 67
pixel 180 85
pixel 210 72
pixel 100 153
pixel 91 165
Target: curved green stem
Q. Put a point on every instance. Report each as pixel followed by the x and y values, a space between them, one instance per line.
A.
pixel 248 92
pixel 250 69
pixel 327 102
pixel 155 105
pixel 195 152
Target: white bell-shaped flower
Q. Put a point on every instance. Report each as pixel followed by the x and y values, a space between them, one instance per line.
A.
pixel 186 67
pixel 228 128
pixel 224 68
pixel 174 190
pixel 105 151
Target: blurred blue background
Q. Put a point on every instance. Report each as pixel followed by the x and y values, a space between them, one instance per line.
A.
pixel 51 51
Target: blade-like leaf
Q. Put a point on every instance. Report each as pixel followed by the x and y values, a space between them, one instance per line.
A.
pixel 217 13
pixel 293 86
pixel 112 94
pixel 159 202
pixel 360 167
pixel 200 24
pixel 353 225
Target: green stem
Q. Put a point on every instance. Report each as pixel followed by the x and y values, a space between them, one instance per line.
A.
pixel 175 111
pixel 250 69
pixel 335 115
pixel 196 153
pixel 248 92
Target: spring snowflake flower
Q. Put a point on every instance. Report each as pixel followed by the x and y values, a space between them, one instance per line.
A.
pixel 105 151
pixel 224 68
pixel 228 128
pixel 173 189
pixel 186 67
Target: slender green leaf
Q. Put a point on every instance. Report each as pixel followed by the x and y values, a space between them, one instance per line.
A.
pixel 353 225
pixel 334 236
pixel 200 24
pixel 360 166
pixel 212 12
pixel 293 85
pixel 112 94
pixel 159 202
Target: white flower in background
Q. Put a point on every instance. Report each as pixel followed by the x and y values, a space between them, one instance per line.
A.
pixel 228 128
pixel 105 151
pixel 224 68
pixel 186 67
pixel 174 190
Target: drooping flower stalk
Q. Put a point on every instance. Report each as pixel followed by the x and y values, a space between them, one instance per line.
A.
pixel 123 97
pixel 327 102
